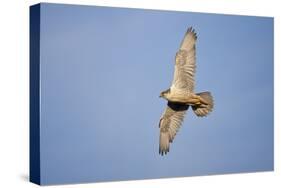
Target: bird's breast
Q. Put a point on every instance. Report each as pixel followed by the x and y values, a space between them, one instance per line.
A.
pixel 178 96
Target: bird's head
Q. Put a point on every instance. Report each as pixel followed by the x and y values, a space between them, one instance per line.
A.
pixel 164 94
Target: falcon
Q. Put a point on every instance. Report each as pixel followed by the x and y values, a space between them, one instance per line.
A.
pixel 180 95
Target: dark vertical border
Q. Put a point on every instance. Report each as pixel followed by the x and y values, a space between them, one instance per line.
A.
pixel 34 94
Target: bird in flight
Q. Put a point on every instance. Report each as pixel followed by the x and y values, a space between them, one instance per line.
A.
pixel 181 93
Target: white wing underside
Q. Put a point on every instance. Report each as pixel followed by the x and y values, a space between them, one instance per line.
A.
pixel 185 63
pixel 169 125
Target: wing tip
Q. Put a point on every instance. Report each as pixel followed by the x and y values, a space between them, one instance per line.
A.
pixel 164 143
pixel 163 151
pixel 192 31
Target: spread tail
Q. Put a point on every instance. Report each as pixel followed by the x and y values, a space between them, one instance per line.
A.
pixel 204 109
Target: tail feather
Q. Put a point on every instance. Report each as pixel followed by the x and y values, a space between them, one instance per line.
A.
pixel 204 109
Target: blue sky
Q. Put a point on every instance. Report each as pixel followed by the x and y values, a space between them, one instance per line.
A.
pixel 102 70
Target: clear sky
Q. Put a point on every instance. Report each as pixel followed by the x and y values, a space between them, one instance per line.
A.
pixel 102 70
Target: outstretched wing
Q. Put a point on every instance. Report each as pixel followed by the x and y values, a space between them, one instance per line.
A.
pixel 169 125
pixel 185 63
